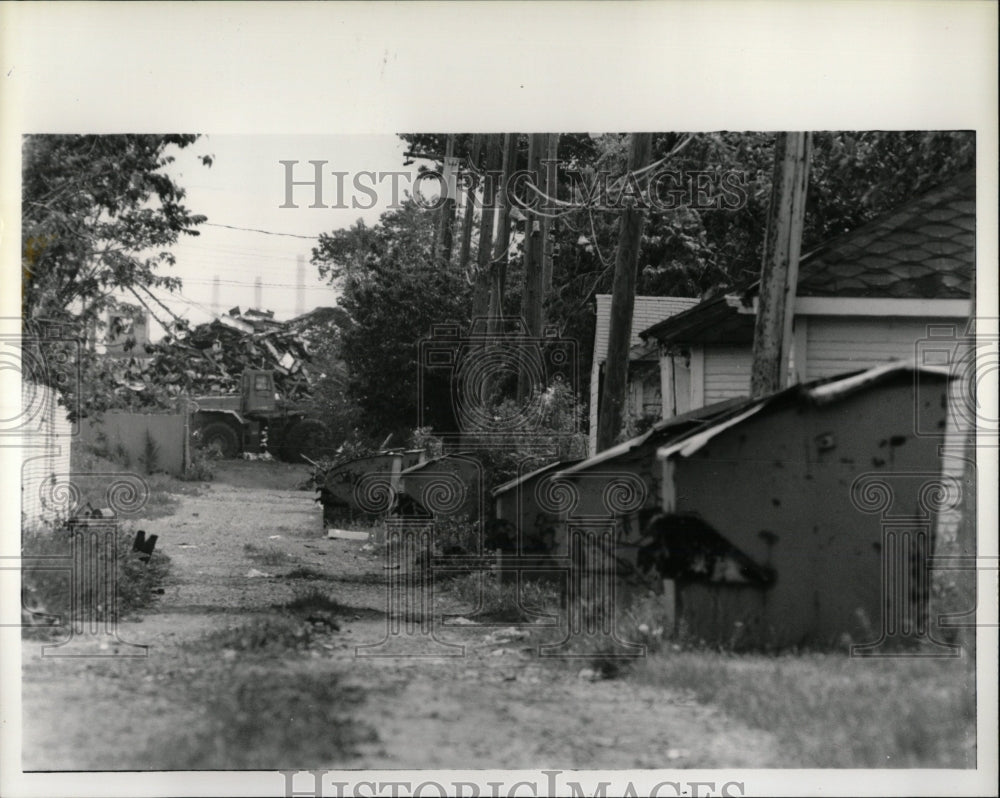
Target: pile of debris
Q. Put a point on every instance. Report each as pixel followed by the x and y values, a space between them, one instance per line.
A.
pixel 210 358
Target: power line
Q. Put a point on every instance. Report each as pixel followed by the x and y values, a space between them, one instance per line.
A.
pixel 257 230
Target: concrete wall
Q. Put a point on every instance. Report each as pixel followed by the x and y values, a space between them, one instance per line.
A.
pixel 128 432
pixel 789 473
pixel 45 440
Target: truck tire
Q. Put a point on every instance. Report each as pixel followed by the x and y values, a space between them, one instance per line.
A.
pixel 307 437
pixel 222 437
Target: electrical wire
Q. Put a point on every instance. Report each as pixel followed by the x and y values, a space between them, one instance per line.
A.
pixel 258 230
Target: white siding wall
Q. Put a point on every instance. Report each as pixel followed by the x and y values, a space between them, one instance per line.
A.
pixel 46 436
pixel 836 345
pixel 727 372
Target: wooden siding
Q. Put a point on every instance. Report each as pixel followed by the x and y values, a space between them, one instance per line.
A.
pixel 726 372
pixel 838 345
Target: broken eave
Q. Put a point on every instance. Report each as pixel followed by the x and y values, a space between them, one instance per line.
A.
pixel 725 319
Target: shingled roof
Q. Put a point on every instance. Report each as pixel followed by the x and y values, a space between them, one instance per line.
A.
pixel 924 249
pixel 648 310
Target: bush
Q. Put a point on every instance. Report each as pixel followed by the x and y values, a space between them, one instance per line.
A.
pixel 201 468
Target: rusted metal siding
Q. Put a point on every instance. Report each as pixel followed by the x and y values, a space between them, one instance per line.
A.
pixel 778 487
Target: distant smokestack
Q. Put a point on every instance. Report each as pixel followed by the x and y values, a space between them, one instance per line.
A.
pixel 300 285
pixel 216 307
pixel 258 294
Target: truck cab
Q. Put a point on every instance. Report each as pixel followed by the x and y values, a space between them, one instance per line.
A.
pixel 257 392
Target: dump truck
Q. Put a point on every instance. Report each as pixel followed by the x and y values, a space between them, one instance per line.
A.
pixel 257 420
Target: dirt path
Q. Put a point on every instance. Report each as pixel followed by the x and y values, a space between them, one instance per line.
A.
pixel 498 706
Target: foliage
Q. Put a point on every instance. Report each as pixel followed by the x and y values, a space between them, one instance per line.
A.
pixel 553 434
pixel 689 248
pixel 201 468
pixel 98 218
pixel 491 599
pixel 394 295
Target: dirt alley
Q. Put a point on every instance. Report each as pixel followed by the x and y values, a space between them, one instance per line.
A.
pixel 498 706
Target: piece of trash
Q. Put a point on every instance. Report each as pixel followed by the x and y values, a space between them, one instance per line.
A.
pixel 253 573
pixel 187 545
pixel 273 537
pixel 459 621
pixel 498 652
pixel 392 566
pixel 676 753
pixel 588 675
pixel 507 635
pixel 346 534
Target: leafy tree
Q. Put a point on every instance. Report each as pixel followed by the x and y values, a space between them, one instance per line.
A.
pixel 98 218
pixel 394 295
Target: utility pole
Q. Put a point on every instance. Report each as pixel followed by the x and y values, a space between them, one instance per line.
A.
pixel 469 217
pixel 622 304
pixel 258 293
pixel 484 256
pixel 501 242
pixel 443 241
pixel 548 223
pixel 531 302
pixel 772 339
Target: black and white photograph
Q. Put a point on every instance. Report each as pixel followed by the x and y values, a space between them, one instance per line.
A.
pixel 474 399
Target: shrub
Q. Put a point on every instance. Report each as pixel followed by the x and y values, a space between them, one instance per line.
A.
pixel 201 468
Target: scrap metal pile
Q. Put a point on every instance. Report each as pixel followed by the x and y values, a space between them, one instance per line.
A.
pixel 210 358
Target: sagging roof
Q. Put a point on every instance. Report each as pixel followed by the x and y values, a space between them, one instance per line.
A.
pixel 663 430
pixel 687 433
pixel 647 311
pixel 506 486
pixel 818 392
pixel 923 249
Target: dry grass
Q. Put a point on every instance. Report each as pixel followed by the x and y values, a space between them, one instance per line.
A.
pixel 832 711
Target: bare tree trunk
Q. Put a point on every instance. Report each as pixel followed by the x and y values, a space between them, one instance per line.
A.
pixel 779 276
pixel 622 305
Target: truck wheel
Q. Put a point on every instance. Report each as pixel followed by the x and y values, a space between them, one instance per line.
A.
pixel 310 438
pixel 223 438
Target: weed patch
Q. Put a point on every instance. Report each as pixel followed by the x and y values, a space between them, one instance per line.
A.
pixel 305 572
pixel 256 719
pixel 494 600
pixel 270 634
pixel 49 592
pixel 266 555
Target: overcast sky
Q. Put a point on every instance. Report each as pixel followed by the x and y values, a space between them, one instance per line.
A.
pixel 244 188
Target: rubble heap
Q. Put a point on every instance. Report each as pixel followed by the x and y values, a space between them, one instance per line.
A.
pixel 210 358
